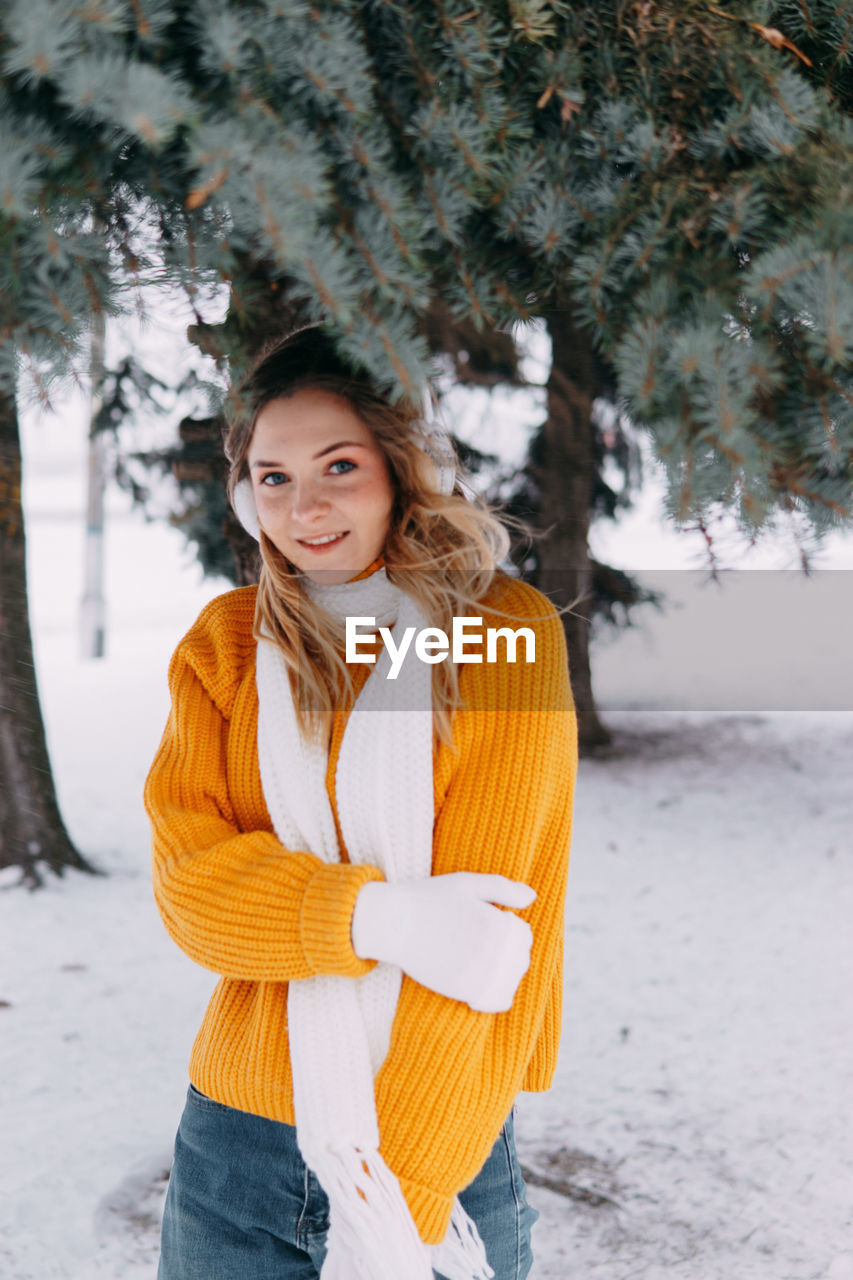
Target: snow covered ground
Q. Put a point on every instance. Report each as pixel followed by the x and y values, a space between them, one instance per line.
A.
pixel 700 1124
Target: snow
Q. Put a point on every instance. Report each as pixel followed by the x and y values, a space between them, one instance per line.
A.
pixel 699 1125
pixel 707 1057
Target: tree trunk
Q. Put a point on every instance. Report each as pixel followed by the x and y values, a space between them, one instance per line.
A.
pixel 263 306
pixel 566 486
pixel 32 833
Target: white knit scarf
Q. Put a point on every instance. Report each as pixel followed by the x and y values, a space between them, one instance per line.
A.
pixel 340 1028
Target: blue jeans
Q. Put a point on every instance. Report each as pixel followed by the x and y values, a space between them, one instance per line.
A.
pixel 242 1204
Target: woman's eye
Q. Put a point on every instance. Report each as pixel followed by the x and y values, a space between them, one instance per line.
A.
pixel 275 478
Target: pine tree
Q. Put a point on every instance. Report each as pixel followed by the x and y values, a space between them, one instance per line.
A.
pixel 667 185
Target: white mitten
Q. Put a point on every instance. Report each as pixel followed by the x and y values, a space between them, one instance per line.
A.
pixel 445 933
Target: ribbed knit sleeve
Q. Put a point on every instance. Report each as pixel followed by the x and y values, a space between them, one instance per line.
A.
pixel 236 901
pixel 451 1074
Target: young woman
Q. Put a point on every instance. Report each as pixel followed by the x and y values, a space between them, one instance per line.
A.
pixel 366 834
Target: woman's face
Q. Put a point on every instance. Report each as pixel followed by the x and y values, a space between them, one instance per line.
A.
pixel 321 483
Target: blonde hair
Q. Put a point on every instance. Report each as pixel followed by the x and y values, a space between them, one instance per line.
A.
pixel 443 550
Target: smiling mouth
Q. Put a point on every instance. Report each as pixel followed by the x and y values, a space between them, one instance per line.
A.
pixel 323 541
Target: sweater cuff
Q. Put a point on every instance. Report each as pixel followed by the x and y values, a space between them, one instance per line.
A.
pixel 429 1209
pixel 326 918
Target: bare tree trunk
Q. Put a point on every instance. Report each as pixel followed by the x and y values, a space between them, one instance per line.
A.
pixel 32 833
pixel 566 486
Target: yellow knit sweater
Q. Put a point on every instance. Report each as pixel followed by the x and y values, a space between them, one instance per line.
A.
pixel 239 903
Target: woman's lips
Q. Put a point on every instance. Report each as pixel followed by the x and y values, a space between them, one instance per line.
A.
pixel 323 546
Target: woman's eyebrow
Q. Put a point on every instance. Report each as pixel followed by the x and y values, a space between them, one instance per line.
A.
pixel 349 444
pixel 341 444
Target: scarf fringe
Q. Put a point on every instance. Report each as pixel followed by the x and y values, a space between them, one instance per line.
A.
pixel 461 1254
pixel 371 1234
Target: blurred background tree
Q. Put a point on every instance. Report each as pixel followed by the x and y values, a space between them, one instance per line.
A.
pixel 665 185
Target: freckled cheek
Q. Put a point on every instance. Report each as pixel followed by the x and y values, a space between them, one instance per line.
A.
pixel 271 507
pixel 375 504
pixel 377 492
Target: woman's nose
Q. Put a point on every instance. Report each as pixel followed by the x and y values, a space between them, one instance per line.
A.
pixel 308 501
